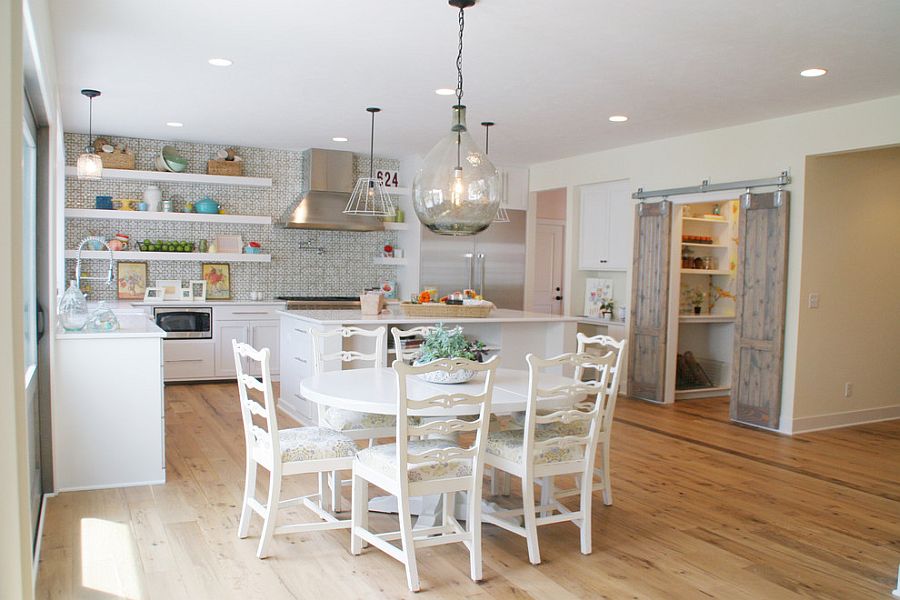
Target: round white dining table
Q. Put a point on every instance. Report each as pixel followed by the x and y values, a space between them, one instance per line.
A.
pixel 374 390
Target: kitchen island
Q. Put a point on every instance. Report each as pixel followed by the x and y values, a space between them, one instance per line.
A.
pixel 511 334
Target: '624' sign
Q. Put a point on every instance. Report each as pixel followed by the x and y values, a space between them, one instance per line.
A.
pixel 388 178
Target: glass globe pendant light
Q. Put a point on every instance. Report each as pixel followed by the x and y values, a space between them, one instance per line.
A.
pixel 369 196
pixel 89 165
pixel 502 216
pixel 457 190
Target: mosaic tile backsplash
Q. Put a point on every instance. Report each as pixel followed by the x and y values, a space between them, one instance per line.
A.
pixel 344 268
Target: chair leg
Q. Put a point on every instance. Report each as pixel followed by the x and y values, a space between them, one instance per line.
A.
pixel 587 490
pixel 271 514
pixel 607 483
pixel 359 508
pixel 474 527
pixel 409 548
pixel 336 504
pixel 448 502
pixel 546 494
pixel 534 552
pixel 492 474
pixel 324 496
pixel 505 480
pixel 249 492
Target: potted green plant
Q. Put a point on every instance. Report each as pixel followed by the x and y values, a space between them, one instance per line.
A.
pixel 696 297
pixel 606 308
pixel 448 343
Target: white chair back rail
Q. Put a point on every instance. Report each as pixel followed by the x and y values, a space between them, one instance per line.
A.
pixel 255 435
pixel 378 357
pixel 400 336
pixel 617 347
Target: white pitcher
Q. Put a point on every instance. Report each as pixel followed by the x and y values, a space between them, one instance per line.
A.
pixel 152 197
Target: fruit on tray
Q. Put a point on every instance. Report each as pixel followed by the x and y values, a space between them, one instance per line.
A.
pixel 166 246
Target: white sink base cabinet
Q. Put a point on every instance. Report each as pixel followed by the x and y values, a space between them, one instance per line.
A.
pixel 108 412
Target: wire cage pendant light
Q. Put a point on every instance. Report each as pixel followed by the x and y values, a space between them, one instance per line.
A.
pixel 502 215
pixel 369 198
pixel 89 165
pixel 457 190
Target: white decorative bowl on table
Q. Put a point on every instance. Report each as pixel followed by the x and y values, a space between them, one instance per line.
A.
pixel 449 377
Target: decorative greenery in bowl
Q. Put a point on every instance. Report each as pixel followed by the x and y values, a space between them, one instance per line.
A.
pixel 448 343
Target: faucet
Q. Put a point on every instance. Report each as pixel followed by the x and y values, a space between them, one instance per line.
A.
pixel 109 273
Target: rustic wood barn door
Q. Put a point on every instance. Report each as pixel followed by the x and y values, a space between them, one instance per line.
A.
pixel 649 301
pixel 760 303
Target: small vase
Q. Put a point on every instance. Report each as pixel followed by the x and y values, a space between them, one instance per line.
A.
pixel 697 310
pixel 152 196
pixel 73 311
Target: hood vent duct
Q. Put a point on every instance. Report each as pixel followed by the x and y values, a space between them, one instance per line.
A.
pixel 328 182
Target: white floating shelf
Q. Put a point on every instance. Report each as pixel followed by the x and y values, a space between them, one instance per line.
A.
pixel 179 177
pixel 705 319
pixel 134 215
pixel 390 226
pixel 705 272
pixel 702 220
pixel 385 260
pixel 692 244
pixel 172 256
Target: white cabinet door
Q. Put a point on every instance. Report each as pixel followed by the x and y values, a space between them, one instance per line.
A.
pixel 605 229
pixel 514 182
pixel 265 334
pixel 224 332
pixel 621 227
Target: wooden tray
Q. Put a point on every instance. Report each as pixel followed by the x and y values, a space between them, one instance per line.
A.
pixel 225 167
pixel 434 309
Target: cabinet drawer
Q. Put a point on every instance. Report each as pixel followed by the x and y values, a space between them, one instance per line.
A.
pixel 187 359
pixel 246 313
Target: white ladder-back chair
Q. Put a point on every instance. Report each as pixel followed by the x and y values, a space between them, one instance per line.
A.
pixel 400 340
pixel 355 425
pixel 426 467
pixel 546 448
pixel 281 452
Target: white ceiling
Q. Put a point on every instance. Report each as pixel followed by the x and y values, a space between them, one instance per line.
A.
pixel 548 72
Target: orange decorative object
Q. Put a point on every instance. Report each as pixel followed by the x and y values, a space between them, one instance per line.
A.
pixel 425 297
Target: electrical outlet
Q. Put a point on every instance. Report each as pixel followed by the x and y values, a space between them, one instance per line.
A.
pixel 814 300
pixel 848 389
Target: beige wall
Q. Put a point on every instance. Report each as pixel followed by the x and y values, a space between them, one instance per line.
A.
pixel 851 258
pixel 551 204
pixel 15 543
pixel 755 150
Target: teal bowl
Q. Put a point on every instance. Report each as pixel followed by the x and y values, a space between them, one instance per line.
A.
pixel 177 165
pixel 206 206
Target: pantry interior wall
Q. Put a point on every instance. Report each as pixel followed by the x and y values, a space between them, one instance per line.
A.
pixel 755 150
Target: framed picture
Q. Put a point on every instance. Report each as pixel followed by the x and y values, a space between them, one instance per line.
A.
pixel 229 244
pixel 172 287
pixel 185 295
pixel 132 280
pixel 198 291
pixel 154 294
pixel 218 281
pixel 596 291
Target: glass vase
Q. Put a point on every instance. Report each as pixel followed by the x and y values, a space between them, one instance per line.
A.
pixel 73 310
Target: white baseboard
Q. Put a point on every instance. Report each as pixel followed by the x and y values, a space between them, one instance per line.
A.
pixel 39 534
pixel 845 419
pixel 107 486
pixel 290 410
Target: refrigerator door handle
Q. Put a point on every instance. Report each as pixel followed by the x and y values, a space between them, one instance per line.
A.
pixel 471 258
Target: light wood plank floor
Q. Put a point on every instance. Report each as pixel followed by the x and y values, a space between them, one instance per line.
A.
pixel 703 509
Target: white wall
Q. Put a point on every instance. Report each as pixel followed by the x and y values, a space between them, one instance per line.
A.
pixel 751 151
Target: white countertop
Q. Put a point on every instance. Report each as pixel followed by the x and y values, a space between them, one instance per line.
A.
pixel 211 303
pixel 355 317
pixel 130 326
pixel 598 321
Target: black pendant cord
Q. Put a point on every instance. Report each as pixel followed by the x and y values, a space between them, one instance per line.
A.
pixel 90 121
pixel 487 135
pixel 373 110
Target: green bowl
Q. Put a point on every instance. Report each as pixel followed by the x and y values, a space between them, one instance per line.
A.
pixel 177 164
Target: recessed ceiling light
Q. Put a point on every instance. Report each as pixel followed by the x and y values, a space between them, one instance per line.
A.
pixel 220 62
pixel 175 124
pixel 444 92
pixel 816 72
pixel 618 118
pixel 340 139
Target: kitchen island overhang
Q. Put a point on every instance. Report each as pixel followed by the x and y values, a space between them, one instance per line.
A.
pixel 510 333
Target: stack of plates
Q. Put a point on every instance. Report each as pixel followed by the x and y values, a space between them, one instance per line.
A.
pixel 168 159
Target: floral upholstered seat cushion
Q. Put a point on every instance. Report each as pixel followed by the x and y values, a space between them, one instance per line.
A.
pixel 573 428
pixel 384 458
pixel 313 443
pixel 349 420
pixel 509 445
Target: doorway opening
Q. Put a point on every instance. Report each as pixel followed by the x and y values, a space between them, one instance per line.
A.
pixel 548 267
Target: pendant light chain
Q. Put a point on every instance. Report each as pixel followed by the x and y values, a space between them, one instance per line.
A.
pixel 90 120
pixel 459 56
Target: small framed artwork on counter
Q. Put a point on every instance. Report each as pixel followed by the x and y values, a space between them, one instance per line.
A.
pixel 198 291
pixel 172 288
pixel 154 294
pixel 185 295
pixel 218 281
pixel 132 280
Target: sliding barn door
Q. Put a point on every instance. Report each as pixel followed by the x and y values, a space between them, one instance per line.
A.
pixel 759 325
pixel 649 301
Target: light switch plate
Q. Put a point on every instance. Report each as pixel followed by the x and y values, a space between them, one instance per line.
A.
pixel 814 300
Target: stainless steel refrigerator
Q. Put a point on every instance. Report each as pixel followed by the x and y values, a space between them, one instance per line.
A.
pixel 491 262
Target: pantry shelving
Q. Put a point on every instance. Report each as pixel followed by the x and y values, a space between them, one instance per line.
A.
pixel 134 215
pixel 166 177
pixel 172 256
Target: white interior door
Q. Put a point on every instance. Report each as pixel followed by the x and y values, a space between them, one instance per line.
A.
pixel 548 267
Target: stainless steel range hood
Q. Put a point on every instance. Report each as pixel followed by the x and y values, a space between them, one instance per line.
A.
pixel 329 181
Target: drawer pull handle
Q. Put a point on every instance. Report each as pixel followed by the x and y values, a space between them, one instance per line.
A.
pixel 303 331
pixel 303 360
pixel 250 313
pixel 181 360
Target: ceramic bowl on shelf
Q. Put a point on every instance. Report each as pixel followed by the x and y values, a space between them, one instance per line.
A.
pixel 206 206
pixel 170 160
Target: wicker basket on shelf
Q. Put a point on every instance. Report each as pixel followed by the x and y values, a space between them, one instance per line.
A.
pixel 117 160
pixel 233 168
pixel 434 309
